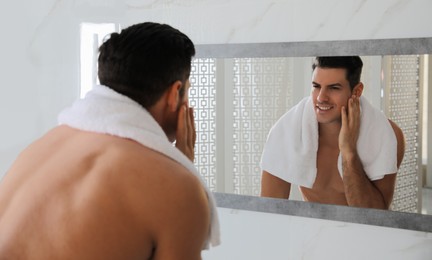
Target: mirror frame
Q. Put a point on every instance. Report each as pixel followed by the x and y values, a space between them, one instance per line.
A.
pixel 386 218
pixel 402 46
pixel 367 216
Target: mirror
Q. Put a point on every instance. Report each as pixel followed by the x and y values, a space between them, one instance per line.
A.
pixel 242 89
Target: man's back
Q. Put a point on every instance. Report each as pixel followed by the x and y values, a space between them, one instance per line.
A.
pixel 81 195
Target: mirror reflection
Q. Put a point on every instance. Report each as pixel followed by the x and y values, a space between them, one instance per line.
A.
pixel 238 100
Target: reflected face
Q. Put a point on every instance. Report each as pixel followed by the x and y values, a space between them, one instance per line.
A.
pixel 330 91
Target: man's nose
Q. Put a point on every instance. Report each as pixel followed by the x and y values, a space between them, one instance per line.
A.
pixel 322 96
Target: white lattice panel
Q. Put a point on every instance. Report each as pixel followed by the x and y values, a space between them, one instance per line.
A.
pixel 262 93
pixel 202 97
pixel 403 109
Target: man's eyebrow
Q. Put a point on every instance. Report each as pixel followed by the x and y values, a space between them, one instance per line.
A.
pixel 335 85
pixel 330 85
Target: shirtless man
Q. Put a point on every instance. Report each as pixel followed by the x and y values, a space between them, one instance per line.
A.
pixel 336 89
pixel 77 194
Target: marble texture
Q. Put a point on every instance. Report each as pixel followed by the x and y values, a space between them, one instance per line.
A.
pixel 401 46
pixel 382 218
pixel 252 235
pixel 243 21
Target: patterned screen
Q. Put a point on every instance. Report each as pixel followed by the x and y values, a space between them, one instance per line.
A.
pixel 403 108
pixel 202 97
pixel 260 90
pixel 262 93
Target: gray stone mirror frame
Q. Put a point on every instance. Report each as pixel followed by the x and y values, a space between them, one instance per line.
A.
pixel 323 48
pixel 406 46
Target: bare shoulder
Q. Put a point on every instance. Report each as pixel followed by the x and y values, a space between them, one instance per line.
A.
pixel 181 226
pixel 400 142
pixel 147 170
pixel 97 181
pixel 170 203
pixel 398 132
pixel 144 164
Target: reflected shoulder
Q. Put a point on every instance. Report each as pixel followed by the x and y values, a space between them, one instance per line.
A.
pixel 400 142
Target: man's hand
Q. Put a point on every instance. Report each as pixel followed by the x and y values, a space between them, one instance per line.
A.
pixel 350 129
pixel 186 135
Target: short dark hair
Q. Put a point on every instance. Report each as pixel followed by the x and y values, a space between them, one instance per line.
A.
pixel 352 64
pixel 143 60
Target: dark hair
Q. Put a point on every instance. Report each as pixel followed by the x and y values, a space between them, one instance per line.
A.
pixel 143 60
pixel 352 64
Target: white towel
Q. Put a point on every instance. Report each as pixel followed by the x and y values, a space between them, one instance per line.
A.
pixel 108 112
pixel 290 152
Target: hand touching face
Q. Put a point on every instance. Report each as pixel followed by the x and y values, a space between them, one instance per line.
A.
pixel 350 128
pixel 186 134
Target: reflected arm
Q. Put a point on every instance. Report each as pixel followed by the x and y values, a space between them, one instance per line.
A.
pixel 274 187
pixel 362 192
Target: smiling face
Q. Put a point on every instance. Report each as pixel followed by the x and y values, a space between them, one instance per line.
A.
pixel 330 91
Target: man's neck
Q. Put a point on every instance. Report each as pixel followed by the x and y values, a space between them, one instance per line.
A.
pixel 329 133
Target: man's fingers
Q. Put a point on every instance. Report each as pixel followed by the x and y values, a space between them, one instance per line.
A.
pixel 354 111
pixel 343 116
pixel 185 136
pixel 181 124
pixel 192 124
pixel 188 125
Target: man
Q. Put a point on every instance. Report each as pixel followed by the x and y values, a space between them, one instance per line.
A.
pixel 334 144
pixel 107 183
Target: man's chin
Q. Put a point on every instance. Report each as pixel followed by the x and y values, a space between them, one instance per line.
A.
pixel 329 121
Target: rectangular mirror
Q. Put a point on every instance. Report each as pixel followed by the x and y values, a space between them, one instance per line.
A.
pixel 242 89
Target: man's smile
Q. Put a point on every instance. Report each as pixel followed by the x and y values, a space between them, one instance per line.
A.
pixel 322 107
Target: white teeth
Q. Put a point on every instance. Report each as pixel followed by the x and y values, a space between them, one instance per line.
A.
pixel 324 108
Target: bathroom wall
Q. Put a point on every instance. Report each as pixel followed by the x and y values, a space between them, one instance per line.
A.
pixel 251 235
pixel 40 42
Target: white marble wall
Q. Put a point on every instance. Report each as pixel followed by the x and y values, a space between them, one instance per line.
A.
pixel 249 235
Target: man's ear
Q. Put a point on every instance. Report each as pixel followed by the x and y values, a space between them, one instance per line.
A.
pixel 358 90
pixel 173 95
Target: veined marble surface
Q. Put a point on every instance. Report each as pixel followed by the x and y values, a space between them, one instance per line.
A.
pixel 251 235
pixel 245 21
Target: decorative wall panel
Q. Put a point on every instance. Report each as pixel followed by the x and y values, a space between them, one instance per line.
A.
pixel 262 94
pixel 202 97
pixel 403 108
